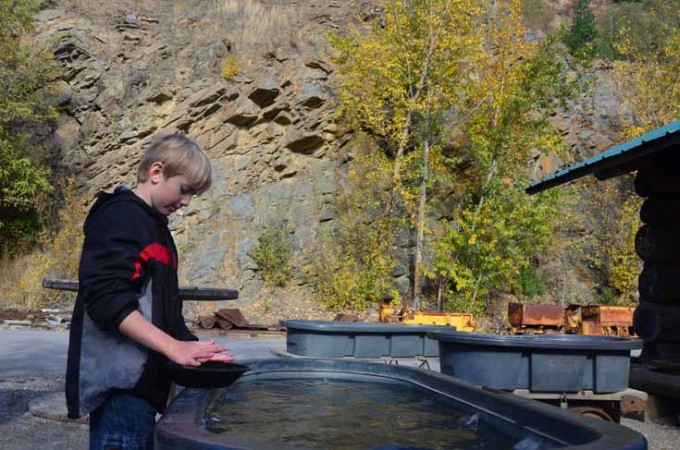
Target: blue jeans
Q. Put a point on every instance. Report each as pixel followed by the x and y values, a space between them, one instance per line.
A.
pixel 123 422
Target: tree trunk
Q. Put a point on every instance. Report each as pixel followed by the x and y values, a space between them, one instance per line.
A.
pixel 422 206
pixel 396 175
pixel 420 232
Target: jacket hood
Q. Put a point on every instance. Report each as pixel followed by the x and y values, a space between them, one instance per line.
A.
pixel 123 194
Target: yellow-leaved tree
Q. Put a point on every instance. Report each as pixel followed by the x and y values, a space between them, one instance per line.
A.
pixel 456 93
pixel 648 77
pixel 399 81
pixel 515 82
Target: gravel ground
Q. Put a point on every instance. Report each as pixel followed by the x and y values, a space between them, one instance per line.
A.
pixel 20 430
pixel 28 432
pixel 659 437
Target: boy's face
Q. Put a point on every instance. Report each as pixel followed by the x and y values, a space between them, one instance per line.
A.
pixel 170 194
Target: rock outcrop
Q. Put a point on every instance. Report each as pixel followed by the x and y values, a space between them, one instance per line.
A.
pixel 131 73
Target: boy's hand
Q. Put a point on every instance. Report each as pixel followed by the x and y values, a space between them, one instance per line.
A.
pixel 220 357
pixel 193 353
pixel 185 353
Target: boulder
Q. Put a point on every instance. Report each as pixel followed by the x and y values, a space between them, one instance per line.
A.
pixel 319 64
pixel 264 93
pixel 302 142
pixel 242 112
pixel 312 95
pixel 206 96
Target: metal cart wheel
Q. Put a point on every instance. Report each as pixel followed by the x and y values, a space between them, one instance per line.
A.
pixel 593 412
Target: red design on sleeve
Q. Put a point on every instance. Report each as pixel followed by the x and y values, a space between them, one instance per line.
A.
pixel 158 252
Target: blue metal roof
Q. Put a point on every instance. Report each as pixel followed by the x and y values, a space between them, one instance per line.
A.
pixel 616 161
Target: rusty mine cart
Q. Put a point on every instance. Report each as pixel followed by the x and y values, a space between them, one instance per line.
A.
pixel 389 314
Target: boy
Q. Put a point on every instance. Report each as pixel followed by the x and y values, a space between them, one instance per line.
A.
pixel 127 319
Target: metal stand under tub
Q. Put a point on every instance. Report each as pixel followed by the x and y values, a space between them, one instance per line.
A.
pixel 527 422
pixel 588 374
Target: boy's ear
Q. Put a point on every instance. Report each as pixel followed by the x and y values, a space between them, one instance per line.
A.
pixel 156 172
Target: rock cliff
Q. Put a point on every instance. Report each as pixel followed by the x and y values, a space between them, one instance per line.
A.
pixel 136 69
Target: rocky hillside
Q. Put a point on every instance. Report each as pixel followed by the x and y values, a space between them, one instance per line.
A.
pixel 253 82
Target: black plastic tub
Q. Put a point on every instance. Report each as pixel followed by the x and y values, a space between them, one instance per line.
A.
pixel 529 424
pixel 324 339
pixel 539 363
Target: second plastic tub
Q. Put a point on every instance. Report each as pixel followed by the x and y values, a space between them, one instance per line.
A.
pixel 544 363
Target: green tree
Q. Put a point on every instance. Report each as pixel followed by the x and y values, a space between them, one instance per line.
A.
pixel 24 103
pixel 488 248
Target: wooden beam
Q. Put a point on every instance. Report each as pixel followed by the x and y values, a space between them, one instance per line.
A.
pixel 189 293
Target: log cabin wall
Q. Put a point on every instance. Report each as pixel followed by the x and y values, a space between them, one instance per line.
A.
pixel 657 317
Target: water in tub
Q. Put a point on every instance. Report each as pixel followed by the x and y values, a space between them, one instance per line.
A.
pixel 340 414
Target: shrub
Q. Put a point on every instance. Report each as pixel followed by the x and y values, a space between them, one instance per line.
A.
pixel 58 257
pixel 25 104
pixel 352 271
pixel 353 263
pixel 273 254
pixel 230 67
pixel 530 282
pixel 607 296
pixel 608 223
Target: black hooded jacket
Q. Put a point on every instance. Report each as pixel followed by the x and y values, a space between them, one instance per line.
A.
pixel 128 263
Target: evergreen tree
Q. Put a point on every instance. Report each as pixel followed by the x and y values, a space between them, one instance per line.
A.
pixel 583 29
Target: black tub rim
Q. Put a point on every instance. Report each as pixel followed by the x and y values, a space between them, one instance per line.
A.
pixel 328 326
pixel 181 425
pixel 575 342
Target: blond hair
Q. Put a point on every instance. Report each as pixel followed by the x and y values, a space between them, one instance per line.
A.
pixel 180 155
